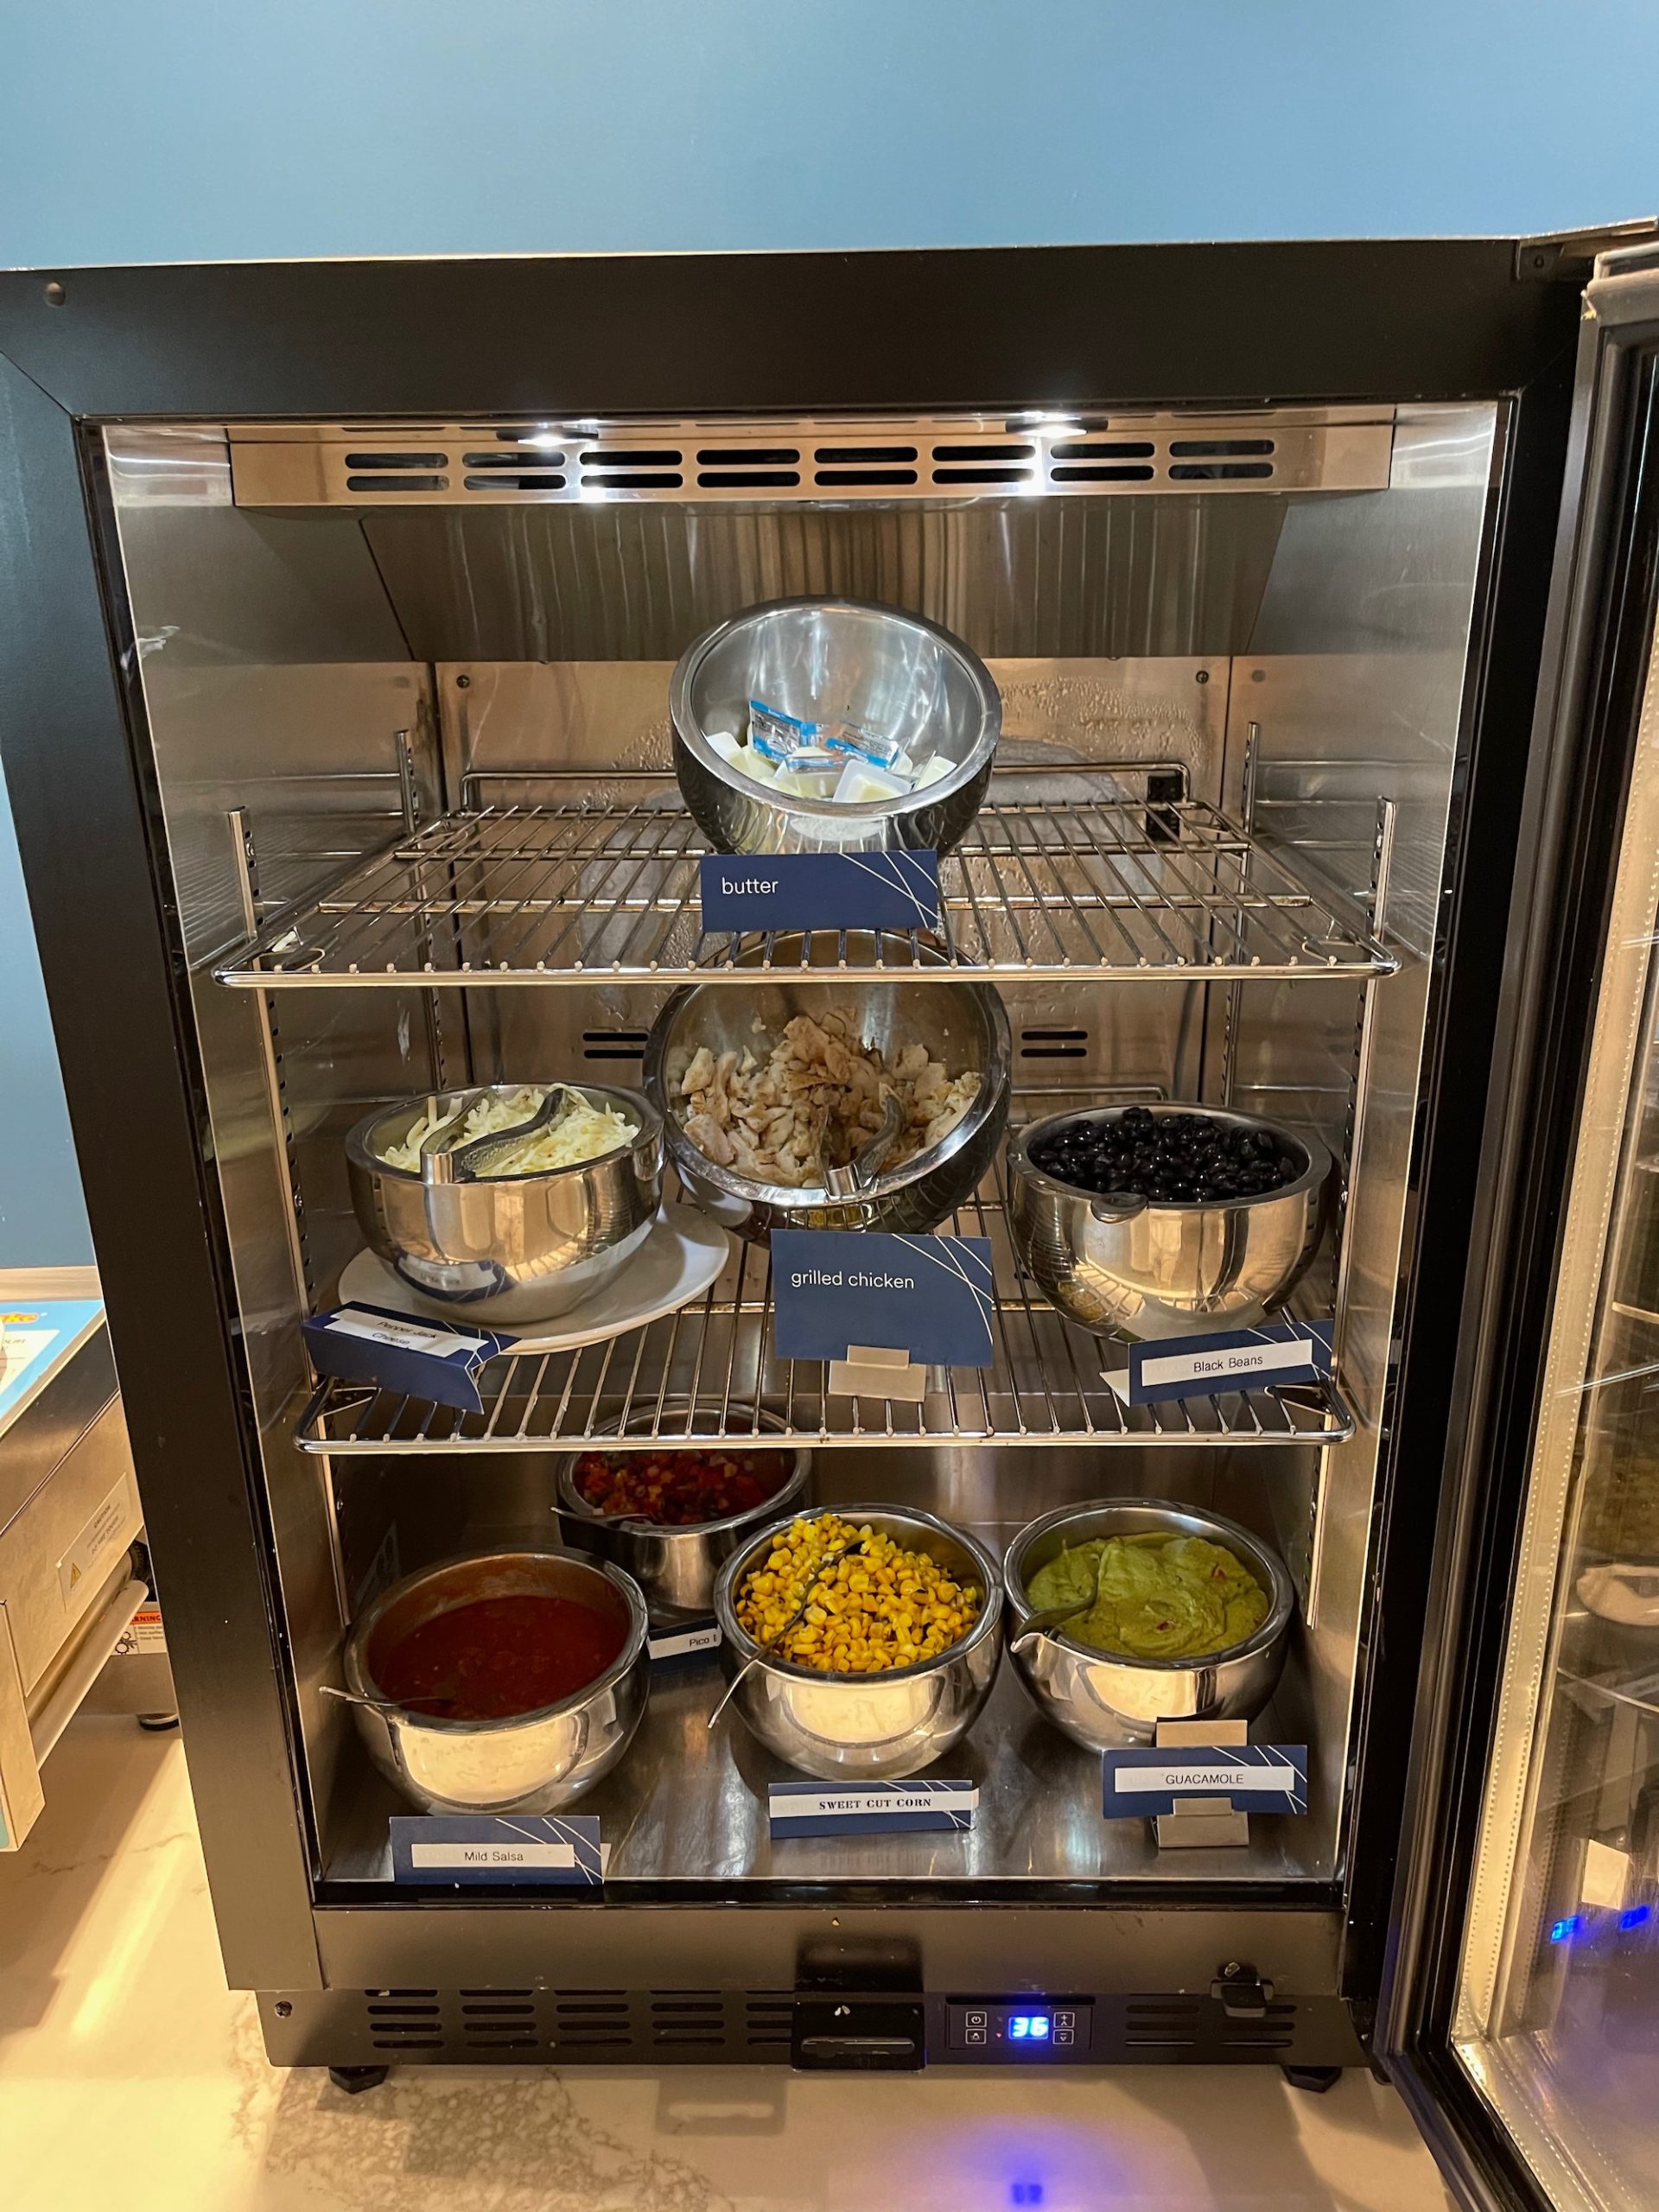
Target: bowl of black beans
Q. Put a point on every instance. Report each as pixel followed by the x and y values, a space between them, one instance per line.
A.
pixel 1167 1220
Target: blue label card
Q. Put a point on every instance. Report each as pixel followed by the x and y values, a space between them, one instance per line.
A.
pixel 930 1296
pixel 1227 1359
pixel 686 1639
pixel 475 1849
pixel 1143 1779
pixel 423 1359
pixel 868 1808
pixel 820 891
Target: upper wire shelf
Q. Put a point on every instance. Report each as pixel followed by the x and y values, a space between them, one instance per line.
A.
pixel 708 1370
pixel 1066 873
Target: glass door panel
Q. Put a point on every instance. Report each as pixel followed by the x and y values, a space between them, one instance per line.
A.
pixel 1557 2020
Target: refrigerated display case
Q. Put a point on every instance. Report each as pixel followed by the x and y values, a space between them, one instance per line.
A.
pixel 344 603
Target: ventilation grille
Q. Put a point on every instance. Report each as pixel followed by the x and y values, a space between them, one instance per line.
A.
pixel 1181 2024
pixel 518 2026
pixel 1299 450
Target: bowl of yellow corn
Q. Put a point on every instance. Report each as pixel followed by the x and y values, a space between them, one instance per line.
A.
pixel 861 1640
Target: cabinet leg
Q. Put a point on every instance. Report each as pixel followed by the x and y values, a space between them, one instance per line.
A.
pixel 1315 2079
pixel 353 2079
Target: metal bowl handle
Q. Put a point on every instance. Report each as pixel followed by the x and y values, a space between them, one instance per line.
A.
pixel 1116 1206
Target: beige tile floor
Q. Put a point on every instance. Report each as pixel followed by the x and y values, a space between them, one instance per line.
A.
pixel 130 2080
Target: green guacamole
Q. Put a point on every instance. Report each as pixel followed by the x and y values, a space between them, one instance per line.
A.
pixel 1160 1596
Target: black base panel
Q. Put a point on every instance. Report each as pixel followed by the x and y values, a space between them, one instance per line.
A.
pixel 706 2027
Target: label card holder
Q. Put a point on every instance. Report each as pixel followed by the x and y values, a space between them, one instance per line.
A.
pixel 561 1850
pixel 882 1308
pixel 828 1809
pixel 1163 1367
pixel 687 1639
pixel 385 1350
pixel 1200 1780
pixel 742 893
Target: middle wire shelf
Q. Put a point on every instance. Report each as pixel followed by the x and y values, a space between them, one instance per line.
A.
pixel 704 1373
pixel 1065 873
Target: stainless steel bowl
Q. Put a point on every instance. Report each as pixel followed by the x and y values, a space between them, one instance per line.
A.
pixel 677 1568
pixel 867 1727
pixel 1154 1269
pixel 963 1025
pixel 1100 1699
pixel 890 671
pixel 506 1249
pixel 536 1762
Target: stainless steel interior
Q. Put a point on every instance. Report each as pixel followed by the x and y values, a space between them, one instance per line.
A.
pixel 349 695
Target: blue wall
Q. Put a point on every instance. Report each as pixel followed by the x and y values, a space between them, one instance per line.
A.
pixel 198 129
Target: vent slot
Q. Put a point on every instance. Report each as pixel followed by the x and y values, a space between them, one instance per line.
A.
pixel 1105 473
pixel 614 1044
pixel 982 476
pixel 747 456
pixel 638 480
pixel 756 480
pixel 397 483
pixel 1053 1044
pixel 512 460
pixel 539 482
pixel 984 452
pixel 854 476
pixel 864 456
pixel 1215 449
pixel 1215 472
pixel 1103 449
pixel 611 457
pixel 397 461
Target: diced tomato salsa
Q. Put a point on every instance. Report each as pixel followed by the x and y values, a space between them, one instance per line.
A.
pixel 680 1489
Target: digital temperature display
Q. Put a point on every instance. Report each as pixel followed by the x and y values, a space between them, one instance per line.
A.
pixel 1011 2028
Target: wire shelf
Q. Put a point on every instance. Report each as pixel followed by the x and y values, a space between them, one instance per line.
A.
pixel 706 1372
pixel 1066 875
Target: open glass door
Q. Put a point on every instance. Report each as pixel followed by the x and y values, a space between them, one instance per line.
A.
pixel 1523 2021
pixel 1557 2011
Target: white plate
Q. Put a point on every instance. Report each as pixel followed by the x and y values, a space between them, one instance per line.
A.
pixel 683 1254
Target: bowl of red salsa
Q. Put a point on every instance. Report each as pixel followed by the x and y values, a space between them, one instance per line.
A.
pixel 503 1681
pixel 672 1512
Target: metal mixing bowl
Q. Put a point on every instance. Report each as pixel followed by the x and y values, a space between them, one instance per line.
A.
pixel 677 1568
pixel 867 1727
pixel 1099 1699
pixel 1155 1268
pixel 889 671
pixel 506 1249
pixel 536 1762
pixel 962 1025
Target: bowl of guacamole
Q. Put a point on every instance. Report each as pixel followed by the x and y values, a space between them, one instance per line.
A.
pixel 1184 1617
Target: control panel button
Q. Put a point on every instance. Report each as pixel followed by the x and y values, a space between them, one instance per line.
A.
pixel 974 2035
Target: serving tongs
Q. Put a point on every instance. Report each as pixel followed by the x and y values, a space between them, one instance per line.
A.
pixel 446 1158
pixel 866 1164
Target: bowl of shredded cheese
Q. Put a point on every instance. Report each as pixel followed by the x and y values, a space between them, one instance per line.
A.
pixel 484 1226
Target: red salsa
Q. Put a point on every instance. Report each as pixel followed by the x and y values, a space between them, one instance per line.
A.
pixel 498 1656
pixel 681 1489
